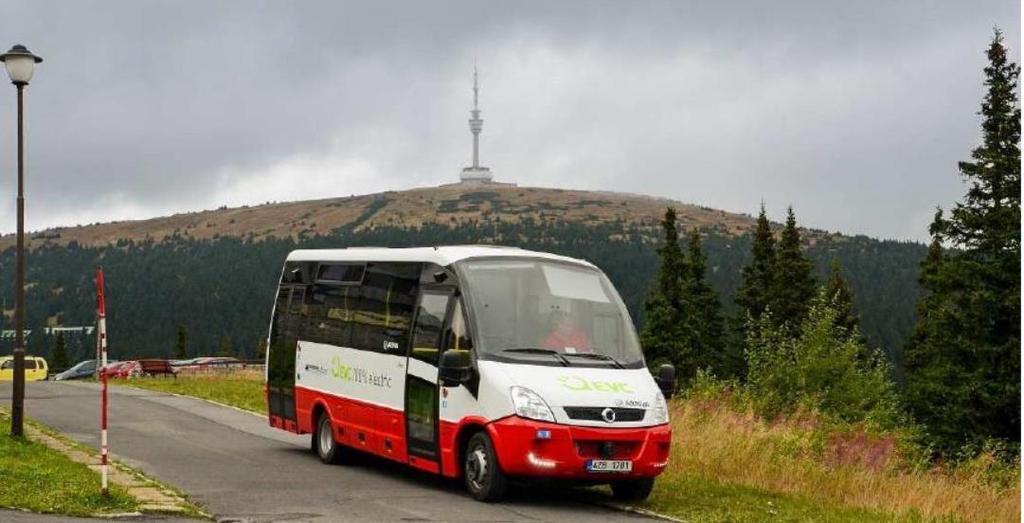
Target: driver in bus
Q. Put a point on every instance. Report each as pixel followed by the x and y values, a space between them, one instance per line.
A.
pixel 566 335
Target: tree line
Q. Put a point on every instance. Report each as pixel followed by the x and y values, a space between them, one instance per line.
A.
pixel 793 341
pixel 224 288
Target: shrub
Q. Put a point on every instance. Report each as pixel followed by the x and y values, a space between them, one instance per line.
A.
pixel 824 368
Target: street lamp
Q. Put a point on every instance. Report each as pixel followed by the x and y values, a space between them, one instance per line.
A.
pixel 20 63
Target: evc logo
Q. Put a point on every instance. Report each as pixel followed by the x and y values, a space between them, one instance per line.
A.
pixel 577 383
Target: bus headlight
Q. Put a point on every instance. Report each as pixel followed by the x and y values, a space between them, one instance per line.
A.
pixel 528 404
pixel 659 409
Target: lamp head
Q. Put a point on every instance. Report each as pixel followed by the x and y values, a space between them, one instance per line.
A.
pixel 20 63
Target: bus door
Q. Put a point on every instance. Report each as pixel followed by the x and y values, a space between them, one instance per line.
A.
pixel 421 389
pixel 284 336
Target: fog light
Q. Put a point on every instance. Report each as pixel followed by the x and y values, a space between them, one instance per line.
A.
pixel 540 463
pixel 543 434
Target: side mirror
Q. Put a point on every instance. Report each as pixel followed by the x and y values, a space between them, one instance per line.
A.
pixel 666 379
pixel 455 368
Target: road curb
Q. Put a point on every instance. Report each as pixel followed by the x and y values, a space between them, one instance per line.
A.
pixel 154 497
pixel 643 512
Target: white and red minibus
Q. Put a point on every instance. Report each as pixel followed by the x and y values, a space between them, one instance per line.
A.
pixel 486 363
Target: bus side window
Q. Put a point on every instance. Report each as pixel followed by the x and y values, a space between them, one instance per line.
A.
pixel 383 308
pixel 334 321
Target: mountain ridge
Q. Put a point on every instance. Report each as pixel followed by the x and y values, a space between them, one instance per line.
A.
pixel 452 205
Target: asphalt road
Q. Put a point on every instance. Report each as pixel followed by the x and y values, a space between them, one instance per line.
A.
pixel 241 470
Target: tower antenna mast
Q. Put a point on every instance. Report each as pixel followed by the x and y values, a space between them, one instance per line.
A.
pixel 476 173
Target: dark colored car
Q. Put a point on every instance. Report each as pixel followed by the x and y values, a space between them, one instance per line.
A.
pixel 81 370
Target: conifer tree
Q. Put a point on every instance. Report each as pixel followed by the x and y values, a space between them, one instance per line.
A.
pixel 708 334
pixel 753 297
pixel 181 344
pixel 963 359
pixel 793 288
pixel 840 296
pixel 664 333
pixel 754 294
pixel 59 360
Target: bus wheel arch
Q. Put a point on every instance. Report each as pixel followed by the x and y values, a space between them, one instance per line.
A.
pixel 482 475
pixel 319 412
pixel 466 431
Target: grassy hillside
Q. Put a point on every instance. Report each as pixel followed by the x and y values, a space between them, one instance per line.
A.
pixel 445 205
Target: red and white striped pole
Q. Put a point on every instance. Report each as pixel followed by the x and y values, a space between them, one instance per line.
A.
pixel 101 336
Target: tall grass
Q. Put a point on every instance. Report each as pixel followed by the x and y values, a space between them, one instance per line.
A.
pixel 717 439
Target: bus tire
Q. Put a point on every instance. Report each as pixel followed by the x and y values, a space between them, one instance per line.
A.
pixel 632 489
pixel 327 449
pixel 484 479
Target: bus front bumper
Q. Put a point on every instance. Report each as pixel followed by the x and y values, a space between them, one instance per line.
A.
pixel 536 448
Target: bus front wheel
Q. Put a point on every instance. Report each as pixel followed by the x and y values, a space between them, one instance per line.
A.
pixel 323 441
pixel 632 489
pixel 484 479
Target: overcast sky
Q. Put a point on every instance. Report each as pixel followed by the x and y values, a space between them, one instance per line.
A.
pixel 853 112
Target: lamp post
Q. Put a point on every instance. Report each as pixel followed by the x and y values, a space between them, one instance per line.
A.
pixel 20 63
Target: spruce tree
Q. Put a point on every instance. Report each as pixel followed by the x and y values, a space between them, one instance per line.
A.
pixel 840 296
pixel 963 359
pixel 181 344
pixel 59 359
pixel 708 336
pixel 664 332
pixel 753 297
pixel 754 294
pixel 793 288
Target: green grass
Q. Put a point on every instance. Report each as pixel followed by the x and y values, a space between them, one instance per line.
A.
pixel 698 499
pixel 36 478
pixel 240 390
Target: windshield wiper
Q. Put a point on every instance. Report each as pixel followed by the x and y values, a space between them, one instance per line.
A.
pixel 596 356
pixel 538 350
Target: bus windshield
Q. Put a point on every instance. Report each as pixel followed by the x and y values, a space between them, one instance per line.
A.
pixel 549 313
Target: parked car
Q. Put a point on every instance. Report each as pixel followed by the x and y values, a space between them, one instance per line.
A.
pixel 220 362
pixel 207 363
pixel 81 370
pixel 123 369
pixel 184 363
pixel 36 368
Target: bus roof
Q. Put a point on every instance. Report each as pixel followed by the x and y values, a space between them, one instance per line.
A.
pixel 441 255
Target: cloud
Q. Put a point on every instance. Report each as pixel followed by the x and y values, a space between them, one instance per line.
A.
pixel 854 113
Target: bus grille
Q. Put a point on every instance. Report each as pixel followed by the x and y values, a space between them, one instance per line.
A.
pixel 594 413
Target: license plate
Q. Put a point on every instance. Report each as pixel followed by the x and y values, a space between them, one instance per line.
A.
pixel 609 465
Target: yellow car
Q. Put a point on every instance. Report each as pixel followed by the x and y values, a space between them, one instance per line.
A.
pixel 35 368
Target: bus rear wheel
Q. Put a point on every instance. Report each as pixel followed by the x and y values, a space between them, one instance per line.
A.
pixel 484 479
pixel 327 449
pixel 632 489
